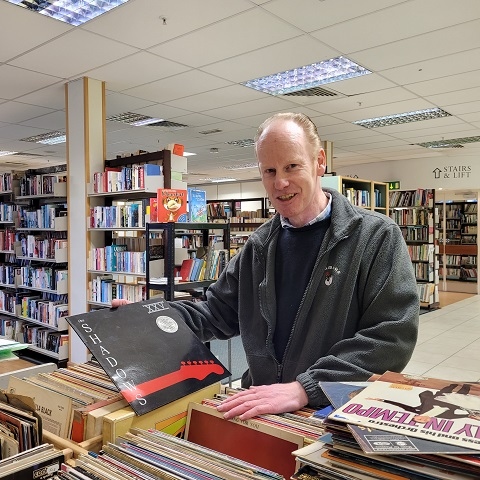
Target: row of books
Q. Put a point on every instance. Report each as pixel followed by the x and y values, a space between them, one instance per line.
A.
pixel 7 239
pixel 7 274
pixel 103 289
pixel 116 258
pixel 427 291
pixel 412 217
pixel 411 198
pixel 6 212
pixel 421 253
pixel 417 234
pixel 360 198
pixel 206 268
pixel 6 182
pixel 44 338
pixel 34 307
pixel 124 179
pixel 121 214
pixel 46 278
pixel 43 217
pixel 40 184
pixel 40 246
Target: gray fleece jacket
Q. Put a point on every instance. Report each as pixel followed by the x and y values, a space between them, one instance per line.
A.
pixel 358 315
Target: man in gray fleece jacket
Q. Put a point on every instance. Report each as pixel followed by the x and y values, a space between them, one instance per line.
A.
pixel 324 291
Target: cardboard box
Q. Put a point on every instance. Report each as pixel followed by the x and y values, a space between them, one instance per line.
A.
pixel 166 418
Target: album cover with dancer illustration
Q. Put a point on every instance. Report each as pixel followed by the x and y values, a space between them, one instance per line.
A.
pixel 445 411
pixel 149 352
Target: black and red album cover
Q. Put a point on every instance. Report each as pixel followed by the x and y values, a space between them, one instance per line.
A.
pixel 149 352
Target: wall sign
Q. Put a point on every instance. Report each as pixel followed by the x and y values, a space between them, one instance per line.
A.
pixel 453 171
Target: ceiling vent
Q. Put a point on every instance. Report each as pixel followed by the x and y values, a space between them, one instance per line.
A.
pixel 20 154
pixel 209 132
pixel 167 124
pixel 312 92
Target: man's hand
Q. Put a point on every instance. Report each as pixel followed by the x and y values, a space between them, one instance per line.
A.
pixel 118 302
pixel 276 398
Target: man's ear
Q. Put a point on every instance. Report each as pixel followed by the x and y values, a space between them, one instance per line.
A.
pixel 321 162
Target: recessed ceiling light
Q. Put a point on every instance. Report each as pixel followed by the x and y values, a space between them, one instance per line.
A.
pixel 51 138
pixel 134 119
pixel 398 118
pixel 244 166
pixel 74 12
pixel 308 76
pixel 209 132
pixel 4 153
pixel 451 143
pixel 218 180
pixel 247 142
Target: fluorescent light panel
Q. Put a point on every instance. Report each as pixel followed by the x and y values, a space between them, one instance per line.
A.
pixel 188 154
pixel 450 143
pixel 74 12
pixel 308 76
pixel 398 118
pixel 134 119
pixel 219 179
pixel 4 153
pixel 51 138
pixel 245 166
pixel 247 142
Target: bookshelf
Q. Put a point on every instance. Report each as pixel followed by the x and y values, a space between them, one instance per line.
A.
pixel 168 232
pixel 34 274
pixel 119 199
pixel 368 194
pixel 415 213
pixel 458 246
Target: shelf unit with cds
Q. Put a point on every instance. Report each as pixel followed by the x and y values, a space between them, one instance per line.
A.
pixel 116 226
pixel 415 213
pixel 34 288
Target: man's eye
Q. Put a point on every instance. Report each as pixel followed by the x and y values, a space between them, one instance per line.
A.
pixel 269 170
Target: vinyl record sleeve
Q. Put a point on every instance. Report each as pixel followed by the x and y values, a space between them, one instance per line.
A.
pixel 149 352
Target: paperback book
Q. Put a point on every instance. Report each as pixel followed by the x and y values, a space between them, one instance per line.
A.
pixel 197 205
pixel 171 205
pixel 149 352
pixel 428 408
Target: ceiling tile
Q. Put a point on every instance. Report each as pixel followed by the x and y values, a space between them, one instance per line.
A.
pixel 455 97
pixel 139 23
pixel 51 121
pixel 117 103
pixel 15 82
pixel 17 112
pixel 430 15
pixel 435 68
pixel 136 69
pixel 178 86
pixel 422 47
pixel 77 45
pixel 451 83
pixel 221 97
pixel 227 38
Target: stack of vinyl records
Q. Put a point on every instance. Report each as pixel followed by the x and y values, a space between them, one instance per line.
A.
pixel 142 454
pixel 397 427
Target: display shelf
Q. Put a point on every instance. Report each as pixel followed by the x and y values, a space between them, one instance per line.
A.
pixel 170 230
pixel 415 213
pixel 368 194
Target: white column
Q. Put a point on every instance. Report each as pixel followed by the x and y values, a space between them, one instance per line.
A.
pixel 86 146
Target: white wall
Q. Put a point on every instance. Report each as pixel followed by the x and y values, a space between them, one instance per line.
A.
pixel 235 190
pixel 453 173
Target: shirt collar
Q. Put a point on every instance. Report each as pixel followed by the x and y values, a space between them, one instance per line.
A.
pixel 323 215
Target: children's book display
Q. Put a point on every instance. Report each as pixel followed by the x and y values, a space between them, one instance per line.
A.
pixel 149 352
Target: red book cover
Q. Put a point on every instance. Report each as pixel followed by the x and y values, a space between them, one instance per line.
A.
pixel 153 210
pixel 186 269
pixel 172 205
